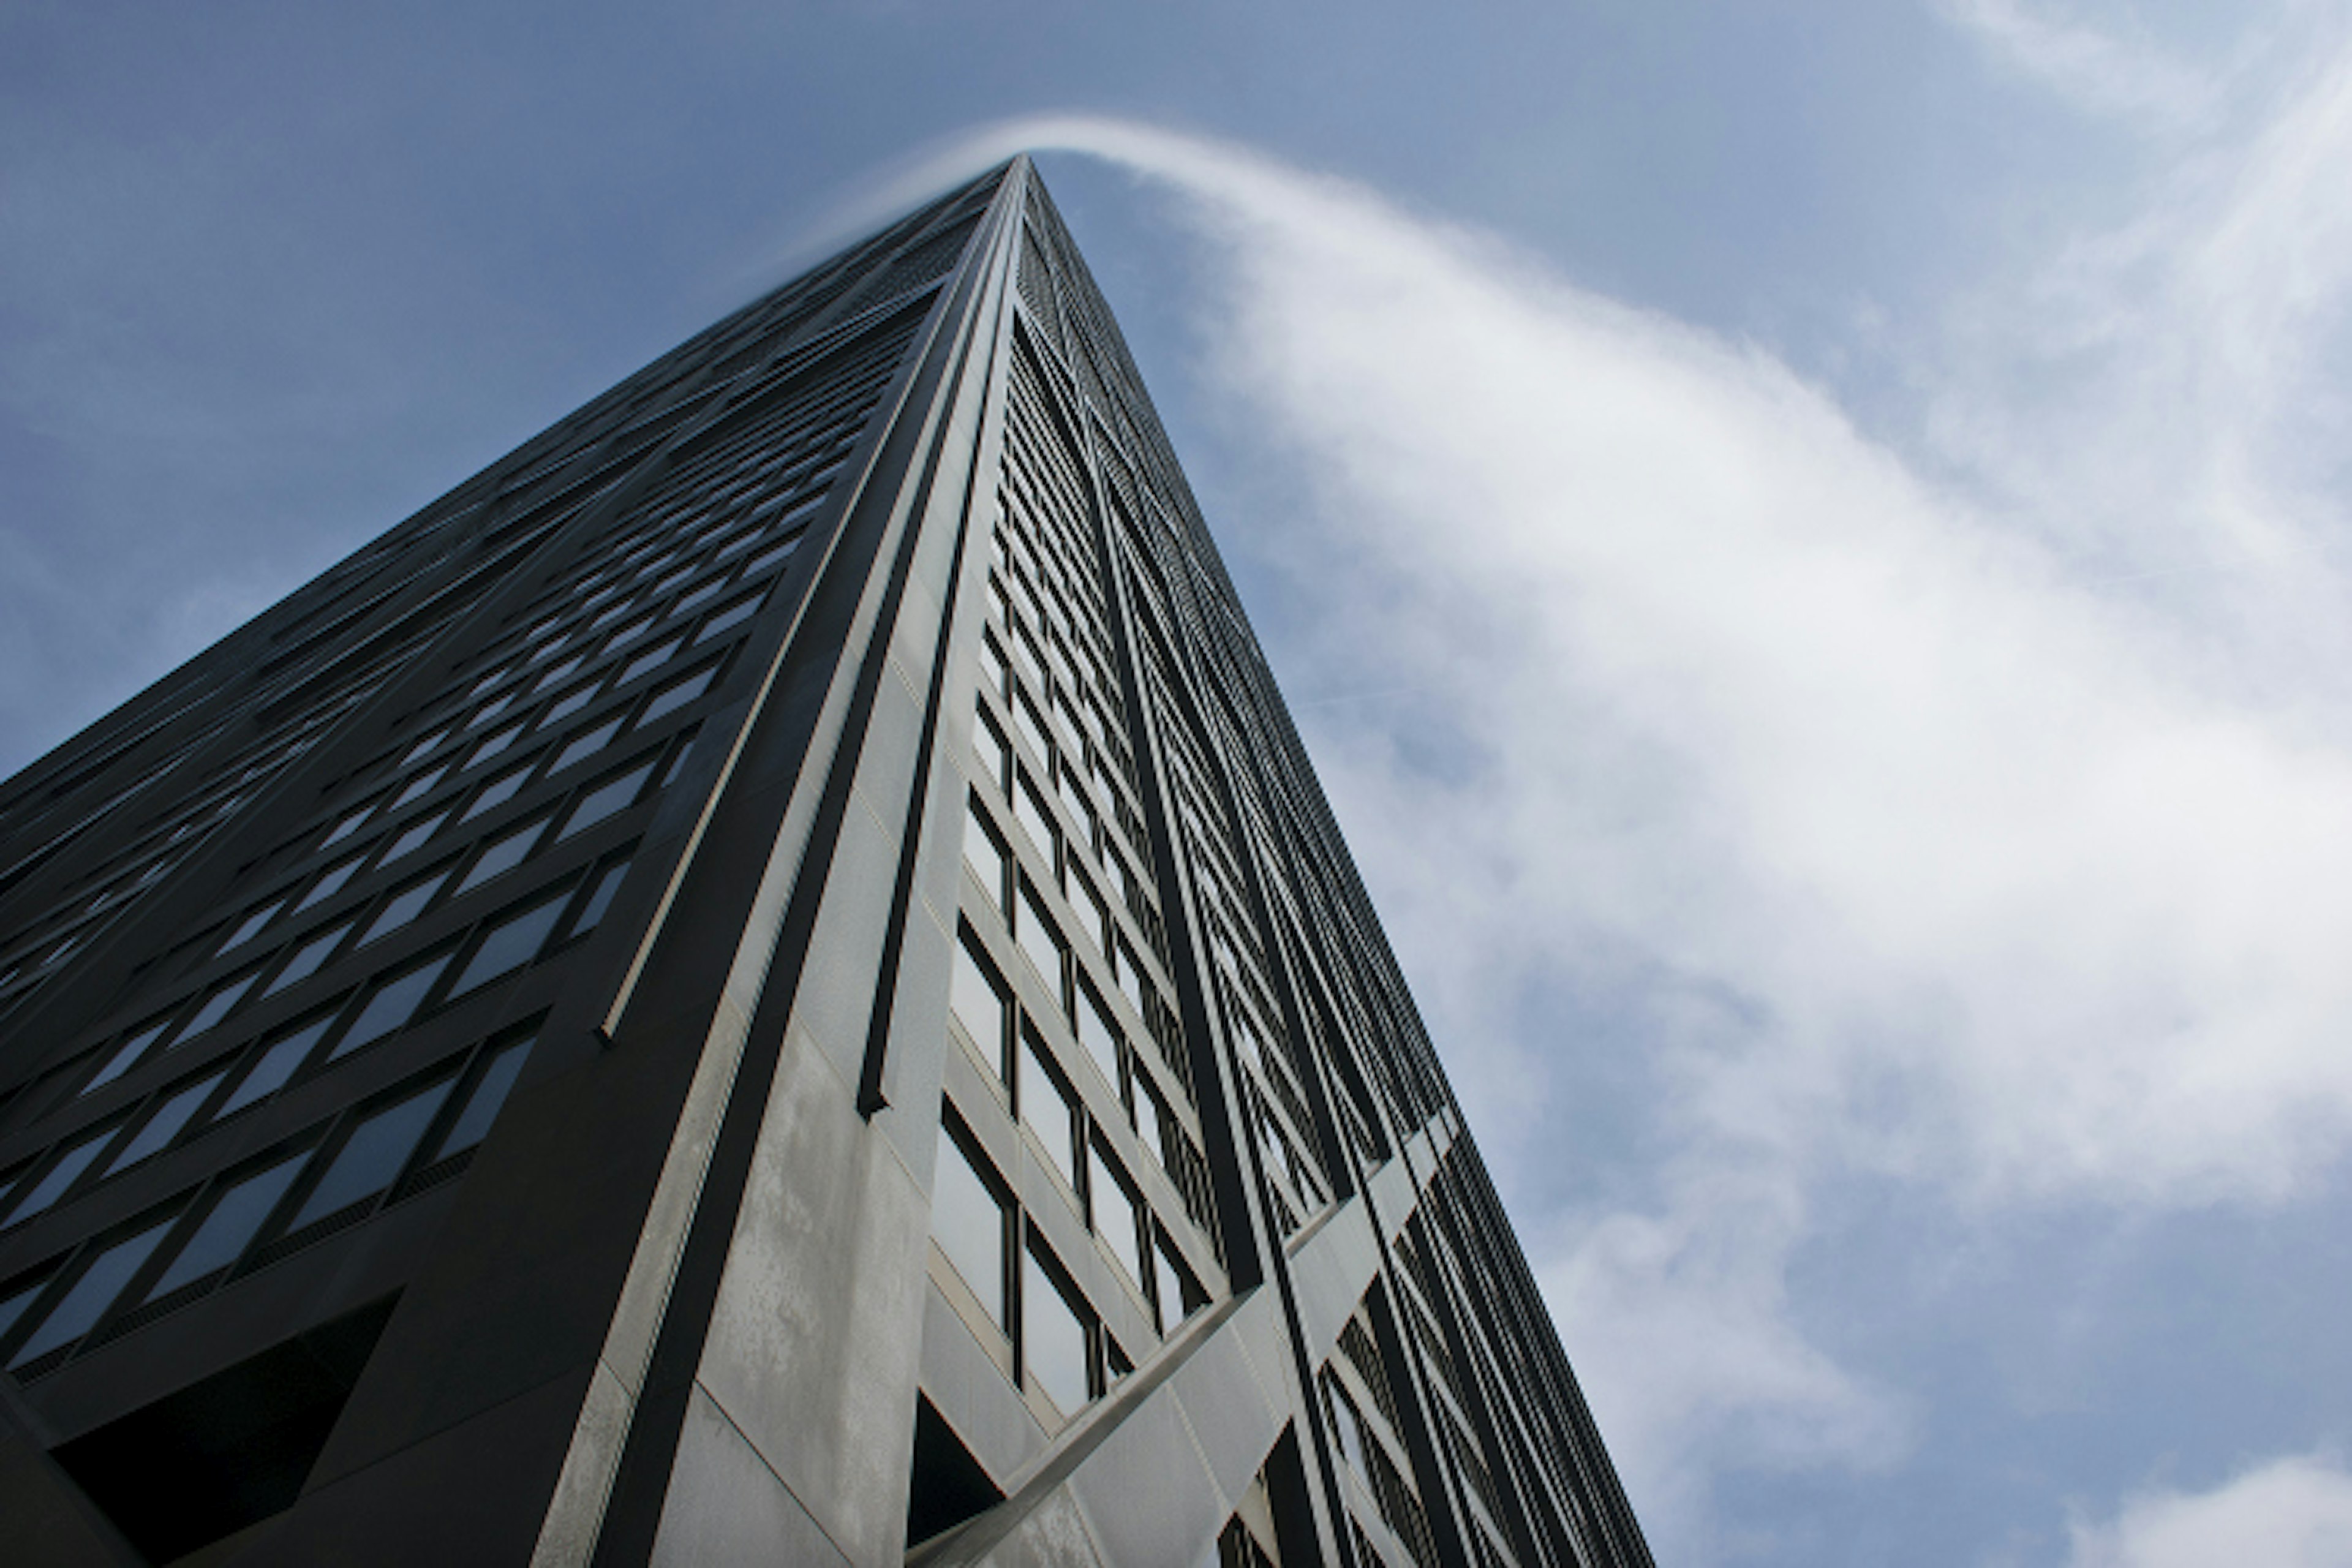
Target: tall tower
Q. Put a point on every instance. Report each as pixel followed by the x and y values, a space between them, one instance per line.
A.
pixel 765 981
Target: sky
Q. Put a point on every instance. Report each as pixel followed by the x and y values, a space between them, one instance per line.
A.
pixel 1808 545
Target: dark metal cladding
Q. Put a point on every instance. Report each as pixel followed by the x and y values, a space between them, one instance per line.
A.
pixel 766 981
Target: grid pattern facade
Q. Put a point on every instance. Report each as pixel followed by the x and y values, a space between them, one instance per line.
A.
pixel 768 980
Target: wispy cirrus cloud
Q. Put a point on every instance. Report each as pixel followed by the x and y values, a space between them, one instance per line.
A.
pixel 2291 1512
pixel 2108 71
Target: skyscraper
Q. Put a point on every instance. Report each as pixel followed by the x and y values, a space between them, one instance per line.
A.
pixel 765 980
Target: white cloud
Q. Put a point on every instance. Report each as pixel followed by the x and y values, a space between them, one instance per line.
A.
pixel 1677 1316
pixel 2293 1512
pixel 1750 699
pixel 2108 71
pixel 2168 390
pixel 1900 837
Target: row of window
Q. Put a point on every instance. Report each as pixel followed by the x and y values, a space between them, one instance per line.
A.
pixel 648 580
pixel 623 603
pixel 1047 1103
pixel 993 1022
pixel 103 893
pixel 1415 1286
pixel 664 616
pixel 1271 1101
pixel 1061 1345
pixel 1377 1473
pixel 631 599
pixel 349 931
pixel 323 1179
pixel 1085 849
pixel 1046 476
pixel 1064 1350
pixel 1074 745
pixel 1488 1300
pixel 524 931
pixel 764 481
pixel 1046 586
pixel 1077 787
pixel 1003 1035
pixel 494 728
pixel 984 1003
pixel 1089 688
pixel 398 846
pixel 1039 552
pixel 1023 908
pixel 46 943
pixel 1239 960
pixel 1081 693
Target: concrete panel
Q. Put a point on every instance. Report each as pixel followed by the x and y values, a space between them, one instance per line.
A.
pixel 1053 1535
pixel 835 1001
pixel 1148 1491
pixel 1235 1402
pixel 971 1392
pixel 727 1509
pixel 1390 1189
pixel 1330 1274
pixel 568 1535
pixel 918 1044
pixel 894 735
pixel 814 1342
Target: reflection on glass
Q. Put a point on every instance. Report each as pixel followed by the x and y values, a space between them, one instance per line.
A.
pixel 1114 1216
pixel 418 788
pixel 253 924
pixel 586 745
pixel 985 855
pixel 230 1227
pixel 63 1174
pixel 604 800
pixel 1095 1032
pixel 165 1124
pixel 498 792
pixel 91 1295
pixel 980 1006
pixel 1036 821
pixel 996 759
pixel 216 1007
pixel 328 885
pixel 1052 1339
pixel 127 1058
pixel 1040 940
pixel 968 1222
pixel 404 907
pixel 372 1156
pixel 12 1308
pixel 395 1003
pixel 1175 1299
pixel 676 696
pixel 1045 1107
pixel 276 1065
pixel 503 855
pixel 414 837
pixel 509 944
pixel 473 1123
pixel 308 961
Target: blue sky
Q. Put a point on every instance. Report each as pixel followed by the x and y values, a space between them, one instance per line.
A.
pixel 1808 543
